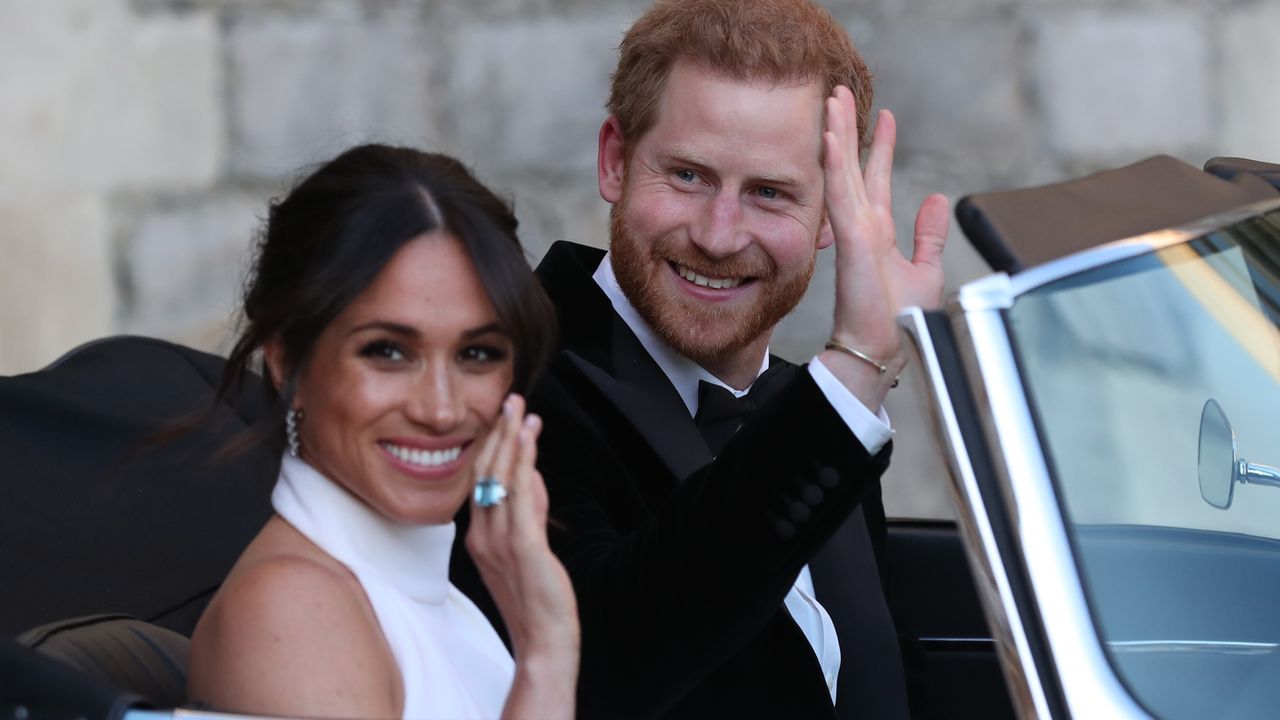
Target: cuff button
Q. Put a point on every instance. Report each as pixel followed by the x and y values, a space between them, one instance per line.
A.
pixel 784 530
pixel 812 495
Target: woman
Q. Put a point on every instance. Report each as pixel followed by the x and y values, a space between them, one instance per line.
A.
pixel 395 314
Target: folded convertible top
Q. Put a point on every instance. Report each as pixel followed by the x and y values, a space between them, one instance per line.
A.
pixel 1017 229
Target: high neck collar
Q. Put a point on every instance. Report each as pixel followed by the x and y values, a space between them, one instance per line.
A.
pixel 415 558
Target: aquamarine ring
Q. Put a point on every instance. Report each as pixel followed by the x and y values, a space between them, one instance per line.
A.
pixel 490 492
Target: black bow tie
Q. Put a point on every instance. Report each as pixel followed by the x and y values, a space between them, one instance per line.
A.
pixel 721 413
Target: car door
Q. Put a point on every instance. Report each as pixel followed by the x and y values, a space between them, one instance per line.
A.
pixel 1124 534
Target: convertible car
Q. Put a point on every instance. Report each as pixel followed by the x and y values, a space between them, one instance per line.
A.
pixel 1102 399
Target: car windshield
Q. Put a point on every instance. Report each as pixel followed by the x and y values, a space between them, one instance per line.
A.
pixel 1176 532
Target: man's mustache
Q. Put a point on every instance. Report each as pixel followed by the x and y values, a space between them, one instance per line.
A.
pixel 749 263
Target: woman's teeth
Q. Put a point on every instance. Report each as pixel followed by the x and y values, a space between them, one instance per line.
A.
pixel 424 458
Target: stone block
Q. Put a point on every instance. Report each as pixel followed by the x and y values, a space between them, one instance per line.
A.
pixel 1124 83
pixel 977 118
pixel 96 98
pixel 896 9
pixel 56 284
pixel 306 87
pixel 1247 81
pixel 561 211
pixel 185 264
pixel 530 95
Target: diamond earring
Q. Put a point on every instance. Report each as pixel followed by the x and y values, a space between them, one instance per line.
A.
pixel 291 420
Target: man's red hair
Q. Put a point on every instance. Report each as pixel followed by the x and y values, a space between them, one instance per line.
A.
pixel 780 42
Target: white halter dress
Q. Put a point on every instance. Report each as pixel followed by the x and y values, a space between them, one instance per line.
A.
pixel 452 663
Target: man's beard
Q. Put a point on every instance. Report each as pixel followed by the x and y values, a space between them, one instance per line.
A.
pixel 704 332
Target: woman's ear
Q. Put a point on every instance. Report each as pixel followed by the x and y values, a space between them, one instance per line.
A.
pixel 273 355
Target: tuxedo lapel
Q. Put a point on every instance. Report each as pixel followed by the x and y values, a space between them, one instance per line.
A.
pixel 673 437
pixel 600 346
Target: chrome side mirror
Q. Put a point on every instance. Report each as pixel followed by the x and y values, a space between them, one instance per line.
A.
pixel 1220 466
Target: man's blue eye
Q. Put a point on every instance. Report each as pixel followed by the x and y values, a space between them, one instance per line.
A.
pixel 768 193
pixel 686 175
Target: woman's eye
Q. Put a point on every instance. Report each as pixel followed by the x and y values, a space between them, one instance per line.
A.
pixel 482 354
pixel 382 350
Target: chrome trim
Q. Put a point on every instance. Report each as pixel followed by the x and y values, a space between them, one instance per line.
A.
pixel 1123 249
pixel 990 579
pixel 1089 687
pixel 1222 647
pixel 1256 474
pixel 993 292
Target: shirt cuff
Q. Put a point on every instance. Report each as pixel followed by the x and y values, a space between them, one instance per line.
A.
pixel 872 430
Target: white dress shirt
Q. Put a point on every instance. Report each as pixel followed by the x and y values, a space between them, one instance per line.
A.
pixel 871 429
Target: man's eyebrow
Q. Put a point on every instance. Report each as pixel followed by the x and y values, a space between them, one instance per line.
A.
pixel 685 155
pixel 780 179
pixel 688 156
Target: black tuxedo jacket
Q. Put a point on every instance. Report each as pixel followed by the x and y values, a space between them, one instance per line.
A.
pixel 681 563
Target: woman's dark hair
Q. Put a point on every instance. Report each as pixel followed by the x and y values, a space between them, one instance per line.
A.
pixel 328 239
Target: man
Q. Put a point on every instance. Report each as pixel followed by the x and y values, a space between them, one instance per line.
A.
pixel 724 574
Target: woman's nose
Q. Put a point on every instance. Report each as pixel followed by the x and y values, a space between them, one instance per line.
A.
pixel 435 401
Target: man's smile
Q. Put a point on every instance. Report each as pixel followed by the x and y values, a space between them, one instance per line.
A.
pixel 716 283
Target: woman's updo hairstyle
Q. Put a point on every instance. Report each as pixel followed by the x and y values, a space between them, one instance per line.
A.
pixel 328 239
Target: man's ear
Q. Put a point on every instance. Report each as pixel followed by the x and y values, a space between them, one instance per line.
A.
pixel 611 161
pixel 273 355
pixel 826 236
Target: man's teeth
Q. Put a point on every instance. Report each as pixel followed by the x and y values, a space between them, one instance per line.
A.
pixel 704 281
pixel 424 458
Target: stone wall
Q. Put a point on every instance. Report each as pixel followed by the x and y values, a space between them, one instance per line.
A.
pixel 140 140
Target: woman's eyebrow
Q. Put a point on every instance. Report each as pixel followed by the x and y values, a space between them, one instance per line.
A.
pixel 492 327
pixel 412 332
pixel 392 327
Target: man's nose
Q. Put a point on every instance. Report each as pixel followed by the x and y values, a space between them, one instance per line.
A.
pixel 719 232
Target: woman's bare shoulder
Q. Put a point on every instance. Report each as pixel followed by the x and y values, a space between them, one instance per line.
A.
pixel 290 632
